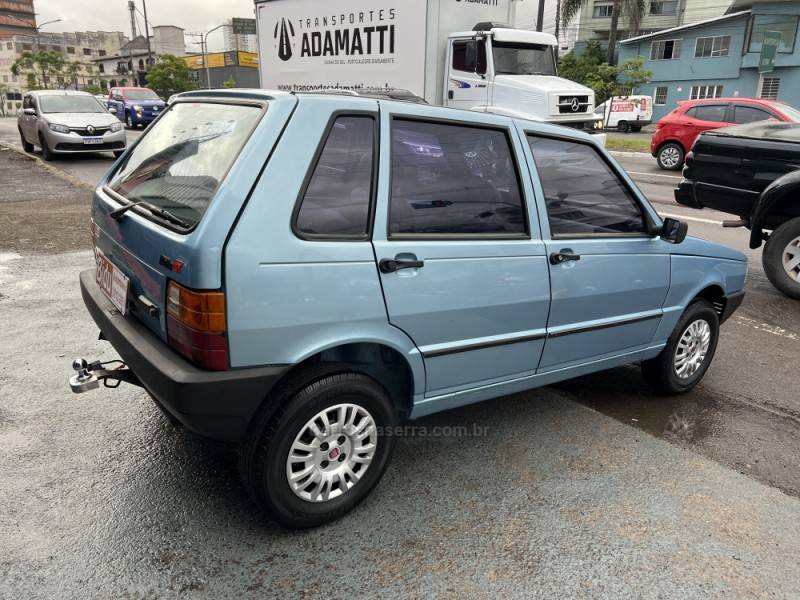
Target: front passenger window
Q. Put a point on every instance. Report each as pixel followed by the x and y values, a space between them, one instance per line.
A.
pixel 584 196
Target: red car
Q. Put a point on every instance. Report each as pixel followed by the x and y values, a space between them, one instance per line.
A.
pixel 677 131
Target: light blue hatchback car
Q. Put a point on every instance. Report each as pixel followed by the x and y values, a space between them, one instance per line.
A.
pixel 297 273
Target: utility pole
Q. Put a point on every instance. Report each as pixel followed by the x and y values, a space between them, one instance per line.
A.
pixel 540 15
pixel 132 10
pixel 205 54
pixel 147 35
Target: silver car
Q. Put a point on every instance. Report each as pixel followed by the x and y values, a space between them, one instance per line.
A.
pixel 68 122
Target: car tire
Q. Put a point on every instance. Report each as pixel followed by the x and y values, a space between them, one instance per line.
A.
pixel 129 121
pixel 26 145
pixel 636 128
pixel 264 458
pixel 47 154
pixel 688 353
pixel 623 127
pixel 670 157
pixel 118 153
pixel 779 258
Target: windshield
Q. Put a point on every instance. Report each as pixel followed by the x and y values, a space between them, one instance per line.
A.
pixel 790 112
pixel 182 158
pixel 70 104
pixel 523 59
pixel 141 95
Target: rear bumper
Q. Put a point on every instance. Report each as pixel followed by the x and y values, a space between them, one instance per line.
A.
pixel 216 404
pixel 732 303
pixel 685 194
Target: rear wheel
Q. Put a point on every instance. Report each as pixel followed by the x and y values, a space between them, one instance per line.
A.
pixel 26 145
pixel 781 258
pixel 636 128
pixel 689 351
pixel 623 127
pixel 47 154
pixel 320 454
pixel 670 156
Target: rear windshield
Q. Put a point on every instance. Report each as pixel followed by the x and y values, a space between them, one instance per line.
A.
pixel 141 95
pixel 181 159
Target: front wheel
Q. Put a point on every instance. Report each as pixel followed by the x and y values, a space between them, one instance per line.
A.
pixel 26 145
pixel 781 258
pixel 670 157
pixel 323 451
pixel 129 121
pixel 623 127
pixel 689 351
pixel 47 154
pixel 118 153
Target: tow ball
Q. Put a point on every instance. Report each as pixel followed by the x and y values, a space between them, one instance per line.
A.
pixel 88 375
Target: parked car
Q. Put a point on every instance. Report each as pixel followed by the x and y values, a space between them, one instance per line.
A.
pixel 753 172
pixel 135 106
pixel 68 122
pixel 625 113
pixel 677 131
pixel 270 286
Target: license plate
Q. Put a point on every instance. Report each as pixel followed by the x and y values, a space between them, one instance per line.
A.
pixel 112 281
pixel 92 140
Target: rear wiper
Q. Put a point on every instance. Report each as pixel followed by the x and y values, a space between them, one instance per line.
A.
pixel 159 212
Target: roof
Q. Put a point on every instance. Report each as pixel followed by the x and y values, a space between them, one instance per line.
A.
pixel 59 93
pixel 713 21
pixel 518 36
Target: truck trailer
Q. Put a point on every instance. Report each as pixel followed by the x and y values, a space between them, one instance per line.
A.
pixel 458 53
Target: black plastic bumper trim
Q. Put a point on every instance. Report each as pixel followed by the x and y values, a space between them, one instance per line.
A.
pixel 216 404
pixel 732 303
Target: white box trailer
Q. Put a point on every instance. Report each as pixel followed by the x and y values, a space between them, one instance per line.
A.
pixel 459 53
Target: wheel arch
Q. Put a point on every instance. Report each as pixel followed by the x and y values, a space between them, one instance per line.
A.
pixel 776 197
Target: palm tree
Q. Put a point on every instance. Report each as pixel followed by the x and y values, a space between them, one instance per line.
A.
pixel 631 10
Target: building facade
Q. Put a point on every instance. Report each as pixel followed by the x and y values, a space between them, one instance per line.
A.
pixel 526 13
pixel 17 16
pixel 129 64
pixel 595 19
pixel 720 57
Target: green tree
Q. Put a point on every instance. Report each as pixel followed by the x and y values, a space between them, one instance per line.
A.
pixel 229 83
pixel 171 75
pixel 95 90
pixel 44 68
pixel 604 79
pixel 631 11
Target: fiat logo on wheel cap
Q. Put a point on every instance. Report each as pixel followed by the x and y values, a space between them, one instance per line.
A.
pixel 333 454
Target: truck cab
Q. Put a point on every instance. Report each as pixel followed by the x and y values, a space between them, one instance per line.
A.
pixel 496 68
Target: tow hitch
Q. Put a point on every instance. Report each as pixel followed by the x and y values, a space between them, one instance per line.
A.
pixel 88 375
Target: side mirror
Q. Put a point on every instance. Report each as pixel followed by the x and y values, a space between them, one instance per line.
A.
pixel 30 111
pixel 674 231
pixel 112 110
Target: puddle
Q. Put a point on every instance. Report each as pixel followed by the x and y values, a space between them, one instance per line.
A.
pixel 755 441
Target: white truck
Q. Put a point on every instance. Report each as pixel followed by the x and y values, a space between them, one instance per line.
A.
pixel 455 53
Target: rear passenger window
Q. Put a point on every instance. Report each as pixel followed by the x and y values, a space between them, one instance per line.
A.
pixel 713 112
pixel 337 200
pixel 583 195
pixel 453 179
pixel 749 114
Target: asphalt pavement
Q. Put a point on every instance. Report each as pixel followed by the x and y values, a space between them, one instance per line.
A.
pixel 594 488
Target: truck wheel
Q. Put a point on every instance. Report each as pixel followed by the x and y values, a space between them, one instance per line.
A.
pixel 688 353
pixel 781 258
pixel 623 127
pixel 320 453
pixel 636 128
pixel 670 156
pixel 26 145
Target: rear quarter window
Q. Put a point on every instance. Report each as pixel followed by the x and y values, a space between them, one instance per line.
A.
pixel 183 157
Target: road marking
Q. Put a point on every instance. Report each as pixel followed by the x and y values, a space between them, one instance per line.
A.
pixel 767 328
pixel 696 219
pixel 653 174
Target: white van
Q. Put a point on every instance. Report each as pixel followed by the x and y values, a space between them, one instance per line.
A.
pixel 625 113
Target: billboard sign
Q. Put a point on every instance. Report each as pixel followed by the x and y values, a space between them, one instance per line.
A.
pixel 305 45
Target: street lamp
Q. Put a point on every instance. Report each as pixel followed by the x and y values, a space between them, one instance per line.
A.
pixel 39 27
pixel 204 48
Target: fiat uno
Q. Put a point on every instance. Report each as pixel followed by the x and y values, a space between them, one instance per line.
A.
pixel 296 274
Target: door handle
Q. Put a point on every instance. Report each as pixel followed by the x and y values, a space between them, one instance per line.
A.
pixel 390 265
pixel 556 258
pixel 449 94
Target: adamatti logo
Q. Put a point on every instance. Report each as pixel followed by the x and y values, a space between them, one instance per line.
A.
pixel 285 41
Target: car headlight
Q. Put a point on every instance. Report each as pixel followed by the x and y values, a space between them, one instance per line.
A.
pixel 137 108
pixel 116 126
pixel 58 127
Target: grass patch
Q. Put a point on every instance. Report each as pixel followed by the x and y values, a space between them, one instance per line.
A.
pixel 627 144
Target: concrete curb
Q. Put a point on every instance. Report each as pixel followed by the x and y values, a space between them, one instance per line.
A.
pixel 52 169
pixel 629 154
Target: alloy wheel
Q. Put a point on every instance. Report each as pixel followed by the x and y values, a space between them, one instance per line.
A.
pixel 791 259
pixel 692 348
pixel 670 157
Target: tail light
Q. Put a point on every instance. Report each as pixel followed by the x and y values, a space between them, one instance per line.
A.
pixel 196 326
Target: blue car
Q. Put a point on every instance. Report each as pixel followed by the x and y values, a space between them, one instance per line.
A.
pixel 135 106
pixel 298 273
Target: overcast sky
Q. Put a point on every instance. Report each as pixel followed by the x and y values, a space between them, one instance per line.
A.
pixel 112 15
